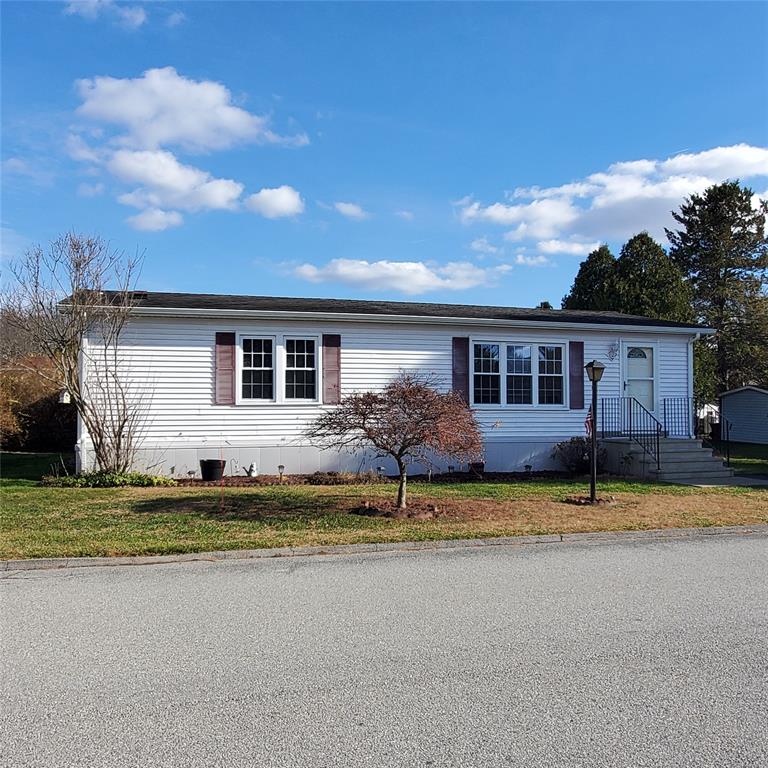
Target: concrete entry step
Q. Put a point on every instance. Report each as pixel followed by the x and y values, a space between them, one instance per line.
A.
pixel 693 465
pixel 699 476
pixel 679 460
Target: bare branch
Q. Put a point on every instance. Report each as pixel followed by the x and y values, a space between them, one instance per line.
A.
pixel 70 303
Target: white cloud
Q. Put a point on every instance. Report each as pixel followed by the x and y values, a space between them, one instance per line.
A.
pixel 155 220
pixel 531 261
pixel 351 211
pixel 405 215
pixel 276 203
pixel 625 199
pixel 132 16
pixel 407 277
pixel 176 18
pixel 88 9
pixel 739 160
pixel 78 149
pixel 482 245
pixel 167 183
pixel 569 247
pixel 17 166
pixel 90 190
pixel 129 16
pixel 160 109
pixel 163 108
pixel 540 218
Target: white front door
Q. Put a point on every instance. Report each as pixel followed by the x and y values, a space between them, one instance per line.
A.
pixel 639 368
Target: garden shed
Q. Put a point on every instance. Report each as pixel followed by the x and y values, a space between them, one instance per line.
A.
pixel 746 410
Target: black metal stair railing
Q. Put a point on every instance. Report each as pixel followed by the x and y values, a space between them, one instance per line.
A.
pixel 678 416
pixel 627 417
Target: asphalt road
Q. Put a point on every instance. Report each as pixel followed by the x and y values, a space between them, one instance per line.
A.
pixel 631 654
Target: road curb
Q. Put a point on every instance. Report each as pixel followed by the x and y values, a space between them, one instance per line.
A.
pixel 661 534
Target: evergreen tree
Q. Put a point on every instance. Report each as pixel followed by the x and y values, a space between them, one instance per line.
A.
pixel 722 250
pixel 593 287
pixel 648 283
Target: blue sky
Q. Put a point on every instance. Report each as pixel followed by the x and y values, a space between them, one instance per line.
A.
pixel 471 153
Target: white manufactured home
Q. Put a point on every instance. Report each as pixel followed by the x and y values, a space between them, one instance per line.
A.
pixel 240 377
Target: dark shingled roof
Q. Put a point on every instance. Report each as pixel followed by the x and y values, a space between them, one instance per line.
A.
pixel 211 301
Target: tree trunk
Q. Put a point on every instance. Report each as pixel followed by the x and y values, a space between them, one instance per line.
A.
pixel 401 489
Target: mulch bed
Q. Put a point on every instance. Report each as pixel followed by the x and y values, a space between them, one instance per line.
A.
pixel 586 501
pixel 330 478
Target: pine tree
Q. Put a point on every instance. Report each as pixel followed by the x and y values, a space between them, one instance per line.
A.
pixel 722 250
pixel 593 287
pixel 648 282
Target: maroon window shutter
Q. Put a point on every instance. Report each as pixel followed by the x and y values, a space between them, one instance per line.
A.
pixel 576 374
pixel 461 366
pixel 331 368
pixel 224 386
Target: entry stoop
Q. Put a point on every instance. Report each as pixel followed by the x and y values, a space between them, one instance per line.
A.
pixel 684 461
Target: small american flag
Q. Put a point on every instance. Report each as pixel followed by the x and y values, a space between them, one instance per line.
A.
pixel 588 421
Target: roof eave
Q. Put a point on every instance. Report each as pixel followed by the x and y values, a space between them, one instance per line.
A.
pixel 432 320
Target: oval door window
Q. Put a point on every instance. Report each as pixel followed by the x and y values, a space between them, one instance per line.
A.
pixel 636 353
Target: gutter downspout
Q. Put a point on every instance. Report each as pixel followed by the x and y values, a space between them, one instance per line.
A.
pixel 694 415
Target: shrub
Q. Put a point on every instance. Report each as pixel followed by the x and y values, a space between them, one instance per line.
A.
pixel 31 417
pixel 107 480
pixel 344 478
pixel 574 455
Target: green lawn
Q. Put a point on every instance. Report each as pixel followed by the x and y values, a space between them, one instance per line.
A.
pixel 37 521
pixel 28 468
pixel 748 458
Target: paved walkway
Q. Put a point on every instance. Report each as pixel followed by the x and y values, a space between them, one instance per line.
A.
pixel 745 481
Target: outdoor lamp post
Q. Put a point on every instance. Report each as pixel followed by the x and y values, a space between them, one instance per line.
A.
pixel 594 373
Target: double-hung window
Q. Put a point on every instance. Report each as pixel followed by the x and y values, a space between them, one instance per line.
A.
pixel 518 373
pixel 486 381
pixel 300 369
pixel 551 386
pixel 258 375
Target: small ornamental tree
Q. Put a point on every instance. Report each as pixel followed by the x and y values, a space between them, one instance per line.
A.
pixel 409 420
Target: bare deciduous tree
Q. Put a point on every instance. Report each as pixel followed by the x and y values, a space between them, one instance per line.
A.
pixel 409 420
pixel 71 303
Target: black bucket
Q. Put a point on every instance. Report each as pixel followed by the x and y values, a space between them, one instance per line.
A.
pixel 212 469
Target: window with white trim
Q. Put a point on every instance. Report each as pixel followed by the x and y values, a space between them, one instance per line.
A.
pixel 519 375
pixel 551 384
pixel 486 378
pixel 300 369
pixel 258 369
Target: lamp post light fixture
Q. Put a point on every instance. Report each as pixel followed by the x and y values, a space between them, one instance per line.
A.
pixel 594 371
pixel 281 469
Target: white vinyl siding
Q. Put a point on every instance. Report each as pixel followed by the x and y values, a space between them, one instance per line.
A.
pixel 171 361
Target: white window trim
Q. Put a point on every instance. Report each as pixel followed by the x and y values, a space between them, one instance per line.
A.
pixel 284 367
pixel 534 344
pixel 279 361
